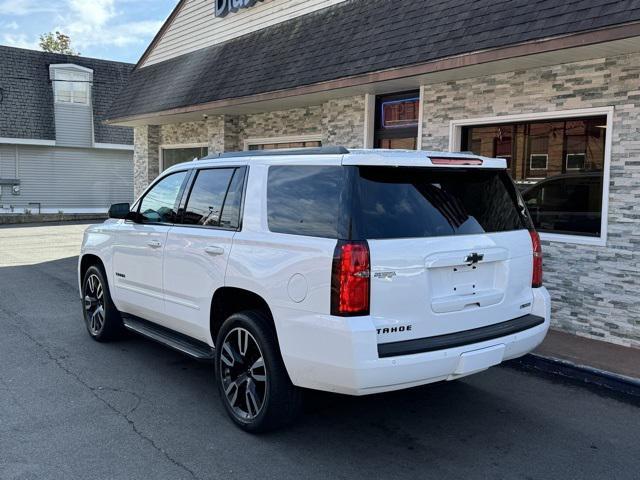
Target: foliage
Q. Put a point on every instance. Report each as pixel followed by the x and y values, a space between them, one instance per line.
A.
pixel 57 43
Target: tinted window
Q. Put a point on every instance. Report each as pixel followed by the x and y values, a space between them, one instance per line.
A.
pixel 215 195
pixel 159 204
pixel 305 200
pixel 230 217
pixel 420 202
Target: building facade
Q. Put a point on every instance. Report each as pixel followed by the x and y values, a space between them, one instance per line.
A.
pixel 56 153
pixel 553 87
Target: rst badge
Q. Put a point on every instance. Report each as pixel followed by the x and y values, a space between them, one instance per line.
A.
pixel 223 7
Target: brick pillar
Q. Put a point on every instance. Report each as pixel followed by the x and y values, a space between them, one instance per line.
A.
pixel 232 134
pixel 343 121
pixel 146 161
pixel 223 133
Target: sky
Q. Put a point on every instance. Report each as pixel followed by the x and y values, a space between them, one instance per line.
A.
pixel 110 29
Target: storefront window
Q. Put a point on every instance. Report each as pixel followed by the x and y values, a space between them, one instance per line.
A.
pixel 558 166
pixel 173 156
pixel 397 118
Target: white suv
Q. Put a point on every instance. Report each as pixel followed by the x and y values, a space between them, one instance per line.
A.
pixel 350 271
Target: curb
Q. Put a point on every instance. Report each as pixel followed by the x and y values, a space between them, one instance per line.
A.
pixel 13 219
pixel 582 373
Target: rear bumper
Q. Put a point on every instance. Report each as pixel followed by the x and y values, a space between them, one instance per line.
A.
pixel 341 355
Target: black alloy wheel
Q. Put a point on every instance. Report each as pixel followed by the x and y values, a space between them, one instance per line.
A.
pixel 253 382
pixel 94 310
pixel 243 374
pixel 101 317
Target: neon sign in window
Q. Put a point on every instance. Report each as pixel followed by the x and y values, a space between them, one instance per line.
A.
pixel 400 113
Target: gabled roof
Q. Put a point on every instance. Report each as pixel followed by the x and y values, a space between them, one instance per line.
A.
pixel 161 32
pixel 26 96
pixel 354 38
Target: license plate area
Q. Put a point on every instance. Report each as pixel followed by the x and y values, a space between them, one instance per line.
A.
pixel 464 280
pixel 466 287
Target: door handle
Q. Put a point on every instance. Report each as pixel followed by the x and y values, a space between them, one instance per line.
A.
pixel 154 244
pixel 214 250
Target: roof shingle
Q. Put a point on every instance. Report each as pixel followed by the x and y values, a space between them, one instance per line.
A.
pixel 26 101
pixel 356 37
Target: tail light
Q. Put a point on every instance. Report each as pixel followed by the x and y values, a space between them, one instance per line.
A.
pixel 350 279
pixel 536 281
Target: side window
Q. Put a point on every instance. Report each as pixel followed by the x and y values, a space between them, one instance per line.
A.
pixel 305 200
pixel 230 217
pixel 215 198
pixel 159 204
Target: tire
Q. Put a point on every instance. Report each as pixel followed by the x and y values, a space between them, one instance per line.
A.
pixel 254 386
pixel 101 317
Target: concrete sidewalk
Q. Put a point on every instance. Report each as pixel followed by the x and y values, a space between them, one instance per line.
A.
pixel 591 361
pixel 604 356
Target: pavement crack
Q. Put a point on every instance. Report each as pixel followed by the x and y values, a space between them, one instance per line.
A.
pixel 95 392
pixel 13 396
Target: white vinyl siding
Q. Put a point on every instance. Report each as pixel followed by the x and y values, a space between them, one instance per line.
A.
pixel 74 125
pixel 196 25
pixel 73 106
pixel 70 179
pixel 7 161
pixel 7 171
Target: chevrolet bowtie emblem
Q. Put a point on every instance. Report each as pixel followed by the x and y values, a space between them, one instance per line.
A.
pixel 474 258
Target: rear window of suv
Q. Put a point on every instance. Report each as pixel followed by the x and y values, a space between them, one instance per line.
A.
pixel 390 202
pixel 426 202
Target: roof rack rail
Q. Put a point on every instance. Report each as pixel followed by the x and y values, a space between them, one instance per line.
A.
pixel 283 151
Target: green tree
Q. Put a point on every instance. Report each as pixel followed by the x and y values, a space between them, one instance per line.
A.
pixel 57 43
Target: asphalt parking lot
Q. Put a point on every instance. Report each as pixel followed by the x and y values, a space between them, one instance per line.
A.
pixel 71 408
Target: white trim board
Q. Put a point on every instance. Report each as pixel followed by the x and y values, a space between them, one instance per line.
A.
pixel 369 120
pixel 52 143
pixel 174 146
pixel 69 66
pixel 420 118
pixel 113 146
pixel 27 141
pixel 284 139
pixel 455 141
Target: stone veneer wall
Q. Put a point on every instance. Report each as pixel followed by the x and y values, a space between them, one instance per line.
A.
pixel 146 145
pixel 340 122
pixel 595 290
pixel 343 122
pixel 297 121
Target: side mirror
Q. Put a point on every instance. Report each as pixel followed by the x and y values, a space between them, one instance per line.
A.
pixel 134 217
pixel 119 210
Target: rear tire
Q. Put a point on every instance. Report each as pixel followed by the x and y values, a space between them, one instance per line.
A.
pixel 101 317
pixel 254 386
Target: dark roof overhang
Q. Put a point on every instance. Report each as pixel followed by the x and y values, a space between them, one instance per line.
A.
pixel 213 79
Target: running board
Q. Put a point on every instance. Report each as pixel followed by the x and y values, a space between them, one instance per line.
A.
pixel 187 345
